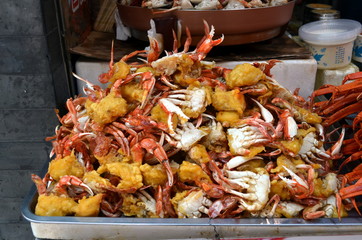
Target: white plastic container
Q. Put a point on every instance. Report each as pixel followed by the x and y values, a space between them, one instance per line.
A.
pixel 331 41
pixel 357 49
pixel 334 76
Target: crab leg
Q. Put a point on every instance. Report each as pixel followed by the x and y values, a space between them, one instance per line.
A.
pixel 353 157
pixel 353 87
pixel 357 120
pixel 336 104
pixel 350 146
pixel 352 190
pixel 352 76
pixel 335 150
pixel 356 107
pixel 354 175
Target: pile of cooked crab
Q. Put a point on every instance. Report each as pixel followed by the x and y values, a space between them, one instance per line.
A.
pixel 177 136
pixel 204 4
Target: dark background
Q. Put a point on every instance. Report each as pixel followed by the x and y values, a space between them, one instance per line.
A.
pixel 31 63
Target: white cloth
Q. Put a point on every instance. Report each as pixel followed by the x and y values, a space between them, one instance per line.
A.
pixel 122 32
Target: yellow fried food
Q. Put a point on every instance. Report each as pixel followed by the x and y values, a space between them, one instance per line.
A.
pixel 280 188
pixel 308 116
pixel 153 175
pixel 191 172
pixel 179 196
pixel 227 118
pixel 89 207
pixel 186 70
pixel 228 100
pixel 65 166
pixel 254 150
pixel 251 165
pixel 290 163
pixel 107 110
pixel 132 92
pixel 292 145
pixel 199 100
pixel 120 70
pixel 198 153
pixel 325 187
pixel 55 206
pixel 133 206
pixel 129 173
pixel 304 132
pixel 95 181
pixel 112 156
pixel 146 69
pixel 244 75
pixel 160 116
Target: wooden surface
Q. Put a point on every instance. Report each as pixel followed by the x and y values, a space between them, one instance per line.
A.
pixel 98 46
pixel 277 48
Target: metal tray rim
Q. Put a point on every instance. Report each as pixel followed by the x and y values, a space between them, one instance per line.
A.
pixel 265 222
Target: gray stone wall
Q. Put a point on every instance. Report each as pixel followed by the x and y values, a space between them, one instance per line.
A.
pixel 31 64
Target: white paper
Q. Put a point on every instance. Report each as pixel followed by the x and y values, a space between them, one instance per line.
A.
pixel 122 32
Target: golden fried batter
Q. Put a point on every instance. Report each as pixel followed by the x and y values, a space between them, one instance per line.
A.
pixel 132 92
pixel 160 116
pixel 198 153
pixel 153 175
pixel 95 181
pixel 133 206
pixel 191 172
pixel 227 118
pixel 244 75
pixel 112 156
pixel 55 206
pixel 280 188
pixel 107 110
pixel 254 150
pixel 65 166
pixel 89 207
pixel 292 145
pixel 120 70
pixel 251 165
pixel 308 116
pixel 290 163
pixel 130 174
pixel 228 100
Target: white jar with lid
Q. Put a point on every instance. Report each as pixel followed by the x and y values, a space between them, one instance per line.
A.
pixel 331 41
pixel 357 49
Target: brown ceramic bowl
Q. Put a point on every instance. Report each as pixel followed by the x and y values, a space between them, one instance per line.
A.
pixel 238 26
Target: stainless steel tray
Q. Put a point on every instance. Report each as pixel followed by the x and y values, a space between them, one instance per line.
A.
pixel 173 228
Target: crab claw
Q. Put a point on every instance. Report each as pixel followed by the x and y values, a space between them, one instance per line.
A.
pixel 68 180
pixel 170 109
pixel 334 151
pixel 206 44
pixel 268 117
pixel 238 160
pixel 290 126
